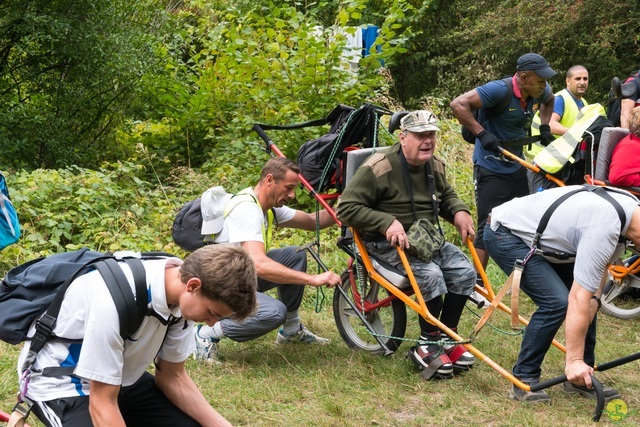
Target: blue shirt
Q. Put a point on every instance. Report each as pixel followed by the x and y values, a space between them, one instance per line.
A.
pixel 508 124
pixel 558 106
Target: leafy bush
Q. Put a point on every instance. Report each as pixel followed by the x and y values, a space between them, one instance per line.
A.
pixel 107 210
pixel 464 44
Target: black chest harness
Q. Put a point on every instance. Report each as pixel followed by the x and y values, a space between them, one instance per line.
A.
pixel 600 191
pixel 513 281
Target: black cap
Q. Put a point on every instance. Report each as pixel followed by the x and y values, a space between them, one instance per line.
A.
pixel 536 63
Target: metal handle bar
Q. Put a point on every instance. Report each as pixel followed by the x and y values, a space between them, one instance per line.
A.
pixel 601 367
pixel 597 386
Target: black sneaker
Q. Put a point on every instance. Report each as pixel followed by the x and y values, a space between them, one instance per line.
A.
pixel 609 393
pixel 516 393
pixel 432 360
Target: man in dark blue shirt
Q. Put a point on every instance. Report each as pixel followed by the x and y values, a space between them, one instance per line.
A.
pixel 496 179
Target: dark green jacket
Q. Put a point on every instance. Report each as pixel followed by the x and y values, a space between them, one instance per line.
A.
pixel 377 194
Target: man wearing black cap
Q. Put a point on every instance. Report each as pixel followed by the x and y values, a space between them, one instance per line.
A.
pixel 497 180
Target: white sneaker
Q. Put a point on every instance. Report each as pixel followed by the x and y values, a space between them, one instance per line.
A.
pixel 303 335
pixel 206 348
pixel 479 300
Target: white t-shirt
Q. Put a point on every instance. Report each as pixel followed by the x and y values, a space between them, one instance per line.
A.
pixel 246 222
pixel 585 225
pixel 88 313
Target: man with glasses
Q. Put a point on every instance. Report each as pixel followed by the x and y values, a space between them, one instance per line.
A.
pixel 496 179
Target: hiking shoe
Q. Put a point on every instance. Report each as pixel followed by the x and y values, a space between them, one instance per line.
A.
pixel 609 393
pixel 206 348
pixel 303 335
pixel 460 357
pixel 516 393
pixel 432 361
pixel 479 300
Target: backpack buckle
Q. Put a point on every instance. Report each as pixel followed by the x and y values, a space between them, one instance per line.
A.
pixel 23 406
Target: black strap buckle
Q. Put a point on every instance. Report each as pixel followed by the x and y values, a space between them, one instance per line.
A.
pixel 23 406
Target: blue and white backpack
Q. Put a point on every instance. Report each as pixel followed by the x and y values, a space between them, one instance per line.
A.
pixel 9 225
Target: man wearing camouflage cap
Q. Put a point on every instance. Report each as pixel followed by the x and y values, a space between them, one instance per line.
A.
pixel 386 195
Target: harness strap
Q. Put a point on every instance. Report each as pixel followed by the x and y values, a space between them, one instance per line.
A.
pixel 600 191
pixel 515 277
pixel 20 413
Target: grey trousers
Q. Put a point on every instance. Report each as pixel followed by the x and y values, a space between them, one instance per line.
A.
pixel 271 312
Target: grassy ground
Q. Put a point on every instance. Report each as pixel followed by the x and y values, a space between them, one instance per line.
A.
pixel 260 384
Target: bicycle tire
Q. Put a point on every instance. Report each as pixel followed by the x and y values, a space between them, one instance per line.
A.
pixel 388 321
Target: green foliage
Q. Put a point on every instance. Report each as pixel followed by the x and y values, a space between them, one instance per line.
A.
pixel 465 44
pixel 67 72
pixel 233 65
pixel 107 210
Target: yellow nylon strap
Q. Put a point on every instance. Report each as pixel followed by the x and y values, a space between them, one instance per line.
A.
pixel 268 233
pixel 241 196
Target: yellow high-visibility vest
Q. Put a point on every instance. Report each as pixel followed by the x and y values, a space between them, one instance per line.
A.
pixel 553 157
pixel 567 120
pixel 247 195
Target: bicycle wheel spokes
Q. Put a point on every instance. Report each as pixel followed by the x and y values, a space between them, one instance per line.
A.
pixel 622 300
pixel 387 317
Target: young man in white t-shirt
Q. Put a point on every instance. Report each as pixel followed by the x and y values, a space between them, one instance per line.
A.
pixel 249 226
pixel 110 383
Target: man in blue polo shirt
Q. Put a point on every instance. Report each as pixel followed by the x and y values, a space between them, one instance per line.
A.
pixel 496 179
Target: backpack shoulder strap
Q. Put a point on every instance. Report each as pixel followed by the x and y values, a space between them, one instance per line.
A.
pixel 45 324
pixel 504 102
pixel 140 281
pixel 246 196
pixel 240 197
pixel 502 105
pixel 121 293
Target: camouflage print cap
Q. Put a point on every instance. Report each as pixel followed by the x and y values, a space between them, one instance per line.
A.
pixel 419 121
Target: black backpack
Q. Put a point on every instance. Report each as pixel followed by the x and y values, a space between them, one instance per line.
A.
pixel 321 156
pixel 350 127
pixel 36 289
pixel 613 102
pixel 187 226
pixel 482 114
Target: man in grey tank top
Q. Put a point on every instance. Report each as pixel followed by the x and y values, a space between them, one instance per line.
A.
pixel 564 276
